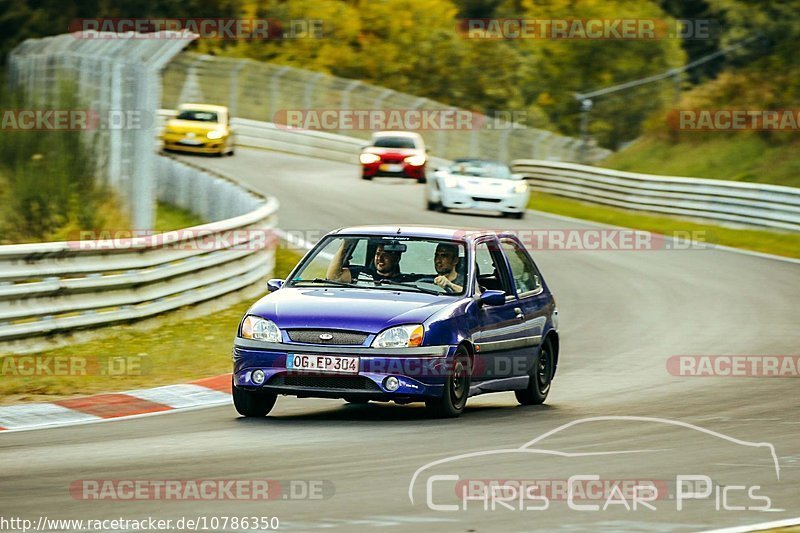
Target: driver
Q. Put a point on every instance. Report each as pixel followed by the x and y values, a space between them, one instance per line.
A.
pixel 445 261
pixel 385 265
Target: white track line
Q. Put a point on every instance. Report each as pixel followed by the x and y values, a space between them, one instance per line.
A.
pixel 758 527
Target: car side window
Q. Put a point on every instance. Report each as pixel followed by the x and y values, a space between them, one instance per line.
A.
pixel 526 277
pixel 490 268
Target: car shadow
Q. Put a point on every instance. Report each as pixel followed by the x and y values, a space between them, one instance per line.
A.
pixel 389 413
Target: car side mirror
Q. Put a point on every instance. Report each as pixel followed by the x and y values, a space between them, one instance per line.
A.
pixel 274 284
pixel 492 298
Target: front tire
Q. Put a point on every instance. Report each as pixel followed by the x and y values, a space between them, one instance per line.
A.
pixel 540 378
pixel 252 404
pixel 456 389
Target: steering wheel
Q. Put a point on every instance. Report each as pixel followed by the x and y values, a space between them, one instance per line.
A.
pixel 447 289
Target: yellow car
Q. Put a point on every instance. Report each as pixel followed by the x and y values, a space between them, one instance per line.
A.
pixel 200 128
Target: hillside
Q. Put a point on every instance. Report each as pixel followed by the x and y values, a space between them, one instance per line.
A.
pixel 739 158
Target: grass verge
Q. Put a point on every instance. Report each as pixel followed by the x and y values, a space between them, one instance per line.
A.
pixel 743 157
pixel 175 352
pixel 773 242
pixel 169 217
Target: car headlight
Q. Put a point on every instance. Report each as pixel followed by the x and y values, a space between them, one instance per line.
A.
pixel 367 159
pixel 520 188
pixel 400 337
pixel 215 134
pixel 415 160
pixel 260 329
pixel 450 182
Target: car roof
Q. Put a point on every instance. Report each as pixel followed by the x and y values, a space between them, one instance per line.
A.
pixel 204 107
pixel 397 134
pixel 428 232
pixel 478 160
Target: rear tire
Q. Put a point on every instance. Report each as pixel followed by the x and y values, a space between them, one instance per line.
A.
pixel 252 404
pixel 456 389
pixel 540 378
pixel 364 177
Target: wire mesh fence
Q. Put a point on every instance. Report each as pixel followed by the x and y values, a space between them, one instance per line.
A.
pixel 117 80
pixel 266 92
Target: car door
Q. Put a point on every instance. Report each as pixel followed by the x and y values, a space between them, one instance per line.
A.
pixel 532 299
pixel 496 342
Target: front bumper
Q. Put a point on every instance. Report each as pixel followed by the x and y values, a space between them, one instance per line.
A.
pixel 206 146
pixel 421 372
pixel 453 198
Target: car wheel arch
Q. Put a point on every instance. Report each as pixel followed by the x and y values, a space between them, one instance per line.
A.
pixel 470 349
pixel 552 338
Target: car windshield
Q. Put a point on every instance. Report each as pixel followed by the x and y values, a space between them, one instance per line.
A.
pixel 407 264
pixel 200 116
pixel 480 169
pixel 394 142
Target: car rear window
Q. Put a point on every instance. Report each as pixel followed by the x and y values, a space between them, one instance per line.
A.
pixel 201 116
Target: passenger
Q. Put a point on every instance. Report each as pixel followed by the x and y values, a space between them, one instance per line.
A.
pixel 445 261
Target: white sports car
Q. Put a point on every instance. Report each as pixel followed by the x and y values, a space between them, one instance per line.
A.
pixel 477 184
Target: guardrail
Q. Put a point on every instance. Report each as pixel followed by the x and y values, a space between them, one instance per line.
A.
pixel 309 143
pixel 54 287
pixel 751 204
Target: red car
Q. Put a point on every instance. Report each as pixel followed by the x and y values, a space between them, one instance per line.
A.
pixel 395 154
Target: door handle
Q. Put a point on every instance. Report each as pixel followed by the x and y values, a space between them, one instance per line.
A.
pixel 520 314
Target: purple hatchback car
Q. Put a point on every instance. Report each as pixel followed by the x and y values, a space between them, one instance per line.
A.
pixel 404 314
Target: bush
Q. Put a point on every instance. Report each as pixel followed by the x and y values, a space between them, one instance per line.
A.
pixel 47 180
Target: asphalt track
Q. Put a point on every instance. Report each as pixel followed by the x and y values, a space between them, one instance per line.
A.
pixel 622 315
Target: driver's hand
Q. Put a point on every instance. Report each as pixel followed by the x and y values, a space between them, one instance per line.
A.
pixel 443 282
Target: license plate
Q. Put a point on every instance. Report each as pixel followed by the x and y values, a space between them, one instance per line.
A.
pixel 322 363
pixel 391 168
pixel 190 142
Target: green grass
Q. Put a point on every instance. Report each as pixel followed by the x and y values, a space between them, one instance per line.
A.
pixel 779 243
pixel 175 352
pixel 742 157
pixel 169 217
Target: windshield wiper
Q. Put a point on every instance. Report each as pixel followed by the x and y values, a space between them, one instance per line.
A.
pixel 323 280
pixel 406 284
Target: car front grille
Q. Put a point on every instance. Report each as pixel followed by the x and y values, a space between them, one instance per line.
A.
pixel 313 336
pixel 490 200
pixel 354 383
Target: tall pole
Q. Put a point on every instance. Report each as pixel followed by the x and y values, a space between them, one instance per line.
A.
pixel 586 107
